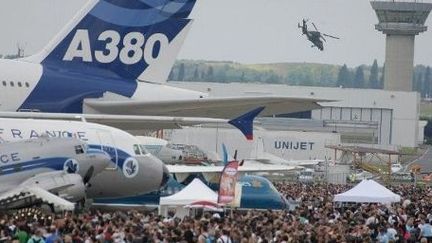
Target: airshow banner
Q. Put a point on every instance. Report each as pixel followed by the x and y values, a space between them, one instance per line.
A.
pixel 227 184
pixel 237 198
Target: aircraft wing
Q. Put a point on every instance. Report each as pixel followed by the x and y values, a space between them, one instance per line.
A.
pixel 306 162
pixel 21 195
pixel 185 169
pixel 216 107
pixel 124 122
pixel 281 161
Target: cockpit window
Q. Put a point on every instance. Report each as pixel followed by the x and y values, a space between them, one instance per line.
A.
pixel 136 149
pixel 143 149
pixel 79 149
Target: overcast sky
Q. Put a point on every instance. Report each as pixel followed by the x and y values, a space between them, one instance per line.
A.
pixel 246 31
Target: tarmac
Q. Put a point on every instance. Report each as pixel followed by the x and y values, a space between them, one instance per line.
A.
pixel 424 161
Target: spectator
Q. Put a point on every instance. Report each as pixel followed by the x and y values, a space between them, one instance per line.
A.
pixel 37 237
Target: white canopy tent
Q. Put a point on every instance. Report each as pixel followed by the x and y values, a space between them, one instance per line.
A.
pixel 368 191
pixel 195 191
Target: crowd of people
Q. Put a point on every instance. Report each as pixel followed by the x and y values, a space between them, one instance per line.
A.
pixel 316 219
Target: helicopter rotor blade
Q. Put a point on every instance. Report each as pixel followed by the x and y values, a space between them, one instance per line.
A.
pixel 322 37
pixel 315 27
pixel 334 37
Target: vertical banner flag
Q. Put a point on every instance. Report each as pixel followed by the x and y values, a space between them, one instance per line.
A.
pixel 227 184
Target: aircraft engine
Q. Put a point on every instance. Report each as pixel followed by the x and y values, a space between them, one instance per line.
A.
pixel 68 186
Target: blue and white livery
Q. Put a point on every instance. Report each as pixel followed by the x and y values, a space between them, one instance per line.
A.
pixel 112 58
pixel 47 170
pixel 131 169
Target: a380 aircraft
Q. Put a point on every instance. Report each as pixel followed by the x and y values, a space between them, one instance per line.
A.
pixel 111 59
pixel 109 63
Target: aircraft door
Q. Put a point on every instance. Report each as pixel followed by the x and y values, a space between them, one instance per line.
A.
pixel 107 144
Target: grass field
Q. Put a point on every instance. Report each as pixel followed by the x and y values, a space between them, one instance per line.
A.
pixel 426 110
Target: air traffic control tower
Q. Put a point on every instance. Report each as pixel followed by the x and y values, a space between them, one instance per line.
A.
pixel 401 22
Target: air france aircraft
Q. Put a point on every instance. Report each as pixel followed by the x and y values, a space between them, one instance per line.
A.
pixel 42 169
pixel 132 170
pixel 111 58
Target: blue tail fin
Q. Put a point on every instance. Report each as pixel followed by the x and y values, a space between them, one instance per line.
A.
pixel 225 154
pixel 133 39
pixel 245 122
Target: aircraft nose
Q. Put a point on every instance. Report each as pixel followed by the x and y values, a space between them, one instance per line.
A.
pixel 165 176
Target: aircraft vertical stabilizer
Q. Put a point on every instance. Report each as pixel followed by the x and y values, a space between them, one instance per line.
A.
pixel 134 39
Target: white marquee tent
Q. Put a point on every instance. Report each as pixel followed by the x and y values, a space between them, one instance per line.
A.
pixel 368 191
pixel 195 191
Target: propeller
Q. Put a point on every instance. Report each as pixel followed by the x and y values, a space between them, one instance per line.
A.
pixel 88 175
pixel 235 155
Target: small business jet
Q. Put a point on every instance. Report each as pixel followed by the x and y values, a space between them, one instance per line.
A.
pixel 47 170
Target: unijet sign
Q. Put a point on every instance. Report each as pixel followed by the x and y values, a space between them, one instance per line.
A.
pixel 293 145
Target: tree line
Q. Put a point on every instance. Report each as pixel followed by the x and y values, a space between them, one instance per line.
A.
pixel 358 79
pixel 306 74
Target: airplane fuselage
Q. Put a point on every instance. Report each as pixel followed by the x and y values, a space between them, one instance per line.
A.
pixel 132 170
pixel 28 86
pixel 30 157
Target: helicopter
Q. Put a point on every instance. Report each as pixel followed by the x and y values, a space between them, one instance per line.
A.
pixel 316 37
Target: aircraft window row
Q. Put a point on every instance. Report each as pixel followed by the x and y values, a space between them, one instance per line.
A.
pixel 18 84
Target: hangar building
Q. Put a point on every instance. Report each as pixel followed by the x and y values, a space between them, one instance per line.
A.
pixel 381 118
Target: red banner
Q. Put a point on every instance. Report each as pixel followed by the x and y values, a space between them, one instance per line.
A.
pixel 228 182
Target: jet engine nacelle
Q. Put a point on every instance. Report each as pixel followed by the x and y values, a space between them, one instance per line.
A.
pixel 67 186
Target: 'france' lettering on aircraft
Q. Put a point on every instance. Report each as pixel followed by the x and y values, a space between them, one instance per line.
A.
pixel 26 134
pixel 9 157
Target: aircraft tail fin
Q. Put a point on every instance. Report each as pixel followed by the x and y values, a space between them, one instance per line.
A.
pixel 132 39
pixel 225 154
pixel 245 122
